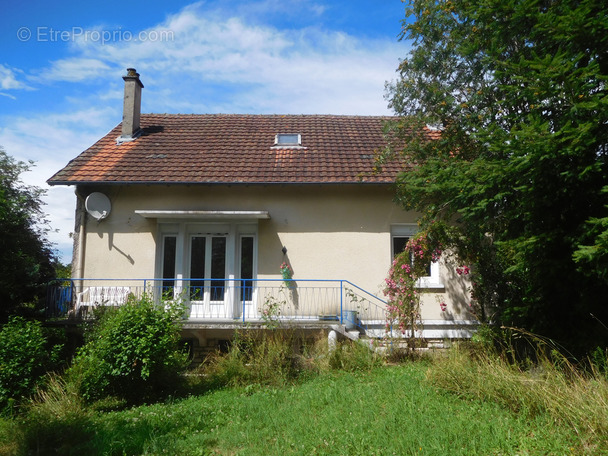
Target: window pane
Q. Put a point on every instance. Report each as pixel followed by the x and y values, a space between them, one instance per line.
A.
pixel 197 267
pixel 169 246
pixel 218 267
pixel 246 268
pixel 399 244
pixel 285 138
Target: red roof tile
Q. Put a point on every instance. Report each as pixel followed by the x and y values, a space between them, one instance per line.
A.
pixel 227 148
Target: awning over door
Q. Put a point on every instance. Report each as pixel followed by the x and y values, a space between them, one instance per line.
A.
pixel 204 215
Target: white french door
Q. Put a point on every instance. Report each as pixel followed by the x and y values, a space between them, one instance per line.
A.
pixel 211 266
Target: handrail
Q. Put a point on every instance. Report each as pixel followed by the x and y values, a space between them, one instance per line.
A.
pixel 365 291
pixel 297 298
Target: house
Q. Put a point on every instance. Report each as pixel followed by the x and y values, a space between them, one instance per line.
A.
pixel 209 207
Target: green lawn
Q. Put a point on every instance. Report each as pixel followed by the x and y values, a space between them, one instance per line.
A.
pixel 386 411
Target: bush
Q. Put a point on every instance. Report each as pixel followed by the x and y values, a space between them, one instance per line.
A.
pixel 57 421
pixel 22 360
pixel 132 352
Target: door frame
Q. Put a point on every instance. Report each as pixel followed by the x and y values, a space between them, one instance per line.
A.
pixel 234 231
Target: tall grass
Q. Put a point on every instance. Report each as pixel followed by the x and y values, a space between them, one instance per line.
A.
pixel 541 383
pixel 282 357
pixel 11 437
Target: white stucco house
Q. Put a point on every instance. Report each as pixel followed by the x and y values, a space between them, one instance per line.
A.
pixel 208 207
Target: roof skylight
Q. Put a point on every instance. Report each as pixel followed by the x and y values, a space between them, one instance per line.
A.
pixel 288 139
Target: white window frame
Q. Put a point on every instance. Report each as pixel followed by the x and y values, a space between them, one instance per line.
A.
pixel 278 136
pixel 409 230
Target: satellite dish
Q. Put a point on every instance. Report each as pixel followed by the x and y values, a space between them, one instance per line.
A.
pixel 98 206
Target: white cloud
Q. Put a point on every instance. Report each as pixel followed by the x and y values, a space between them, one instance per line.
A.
pixel 289 8
pixel 9 79
pixel 74 70
pixel 215 61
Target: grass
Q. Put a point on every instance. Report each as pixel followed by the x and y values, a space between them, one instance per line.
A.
pixel 384 411
pixel 262 399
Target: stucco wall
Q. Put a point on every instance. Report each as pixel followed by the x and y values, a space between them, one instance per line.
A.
pixel 330 232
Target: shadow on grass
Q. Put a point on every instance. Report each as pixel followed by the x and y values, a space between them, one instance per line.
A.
pixel 65 436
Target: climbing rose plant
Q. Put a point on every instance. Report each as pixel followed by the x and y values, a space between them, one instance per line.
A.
pixel 402 291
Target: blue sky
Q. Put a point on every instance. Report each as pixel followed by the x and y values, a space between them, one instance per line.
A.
pixel 61 64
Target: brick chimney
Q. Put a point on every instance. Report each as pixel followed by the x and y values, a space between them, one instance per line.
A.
pixel 132 106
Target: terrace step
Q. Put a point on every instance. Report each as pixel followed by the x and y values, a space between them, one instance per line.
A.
pixel 349 334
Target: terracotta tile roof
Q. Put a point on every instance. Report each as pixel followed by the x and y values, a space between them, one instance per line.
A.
pixel 227 148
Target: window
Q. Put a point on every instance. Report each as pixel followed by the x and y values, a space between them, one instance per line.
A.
pixel 400 234
pixel 288 139
pixel 198 260
pixel 399 244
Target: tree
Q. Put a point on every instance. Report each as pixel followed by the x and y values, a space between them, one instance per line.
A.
pixel 516 90
pixel 25 253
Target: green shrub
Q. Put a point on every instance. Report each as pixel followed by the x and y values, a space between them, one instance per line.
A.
pixel 11 436
pixel 599 361
pixel 22 360
pixel 132 352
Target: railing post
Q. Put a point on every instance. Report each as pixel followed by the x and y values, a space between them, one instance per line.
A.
pixel 341 301
pixel 243 298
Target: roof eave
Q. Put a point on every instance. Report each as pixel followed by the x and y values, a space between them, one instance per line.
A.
pixel 357 182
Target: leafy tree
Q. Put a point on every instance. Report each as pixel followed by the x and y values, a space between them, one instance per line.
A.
pixel 25 253
pixel 62 271
pixel 516 93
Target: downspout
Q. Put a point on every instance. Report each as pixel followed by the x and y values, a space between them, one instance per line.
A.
pixel 78 271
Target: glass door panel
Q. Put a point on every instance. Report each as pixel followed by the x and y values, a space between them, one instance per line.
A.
pixel 197 267
pixel 246 271
pixel 169 251
pixel 218 268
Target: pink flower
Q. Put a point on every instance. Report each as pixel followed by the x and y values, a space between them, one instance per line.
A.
pixel 463 270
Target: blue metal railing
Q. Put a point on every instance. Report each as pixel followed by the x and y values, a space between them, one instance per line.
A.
pixel 59 297
pixel 213 299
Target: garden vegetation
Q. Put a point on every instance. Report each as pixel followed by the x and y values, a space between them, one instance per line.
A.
pixel 273 392
pixel 514 93
pixel 27 258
